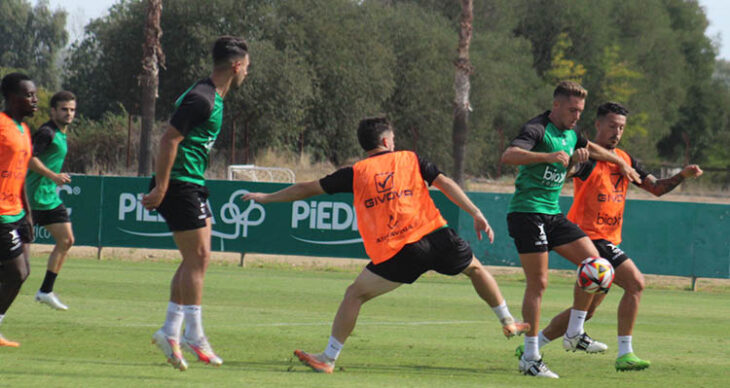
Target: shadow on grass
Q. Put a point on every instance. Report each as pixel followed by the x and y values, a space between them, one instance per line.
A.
pixel 294 366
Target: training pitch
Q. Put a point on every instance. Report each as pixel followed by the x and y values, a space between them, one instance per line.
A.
pixel 435 333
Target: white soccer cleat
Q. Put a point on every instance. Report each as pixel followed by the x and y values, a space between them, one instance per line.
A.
pixel 171 348
pixel 201 348
pixel 583 343
pixel 536 368
pixel 50 299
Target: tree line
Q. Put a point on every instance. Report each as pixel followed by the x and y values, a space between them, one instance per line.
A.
pixel 319 66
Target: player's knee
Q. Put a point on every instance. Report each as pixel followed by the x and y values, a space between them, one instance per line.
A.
pixel 636 285
pixel 537 285
pixel 354 292
pixel 17 276
pixel 66 243
pixel 474 269
pixel 23 274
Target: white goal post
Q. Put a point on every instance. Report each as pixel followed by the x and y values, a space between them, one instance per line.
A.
pixel 252 173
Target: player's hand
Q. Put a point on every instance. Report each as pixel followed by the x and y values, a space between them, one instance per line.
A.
pixel 61 179
pixel 580 155
pixel 691 171
pixel 153 199
pixel 630 173
pixel 558 157
pixel 258 197
pixel 481 225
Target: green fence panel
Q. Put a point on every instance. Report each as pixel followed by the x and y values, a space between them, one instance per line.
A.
pixel 82 198
pixel 125 222
pixel 664 238
pixel 319 226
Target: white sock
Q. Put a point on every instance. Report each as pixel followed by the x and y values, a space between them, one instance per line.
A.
pixel 173 320
pixel 193 322
pixel 542 340
pixel 624 345
pixel 1 317
pixel 502 312
pixel 532 351
pixel 575 326
pixel 333 349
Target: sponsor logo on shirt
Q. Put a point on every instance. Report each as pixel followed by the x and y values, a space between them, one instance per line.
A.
pixel 552 177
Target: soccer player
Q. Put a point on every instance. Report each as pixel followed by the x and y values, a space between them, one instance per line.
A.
pixel 543 149
pixel 19 93
pixel 49 152
pixel 403 232
pixel 179 194
pixel 598 209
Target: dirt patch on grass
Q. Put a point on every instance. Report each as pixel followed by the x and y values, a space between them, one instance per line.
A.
pixel 352 265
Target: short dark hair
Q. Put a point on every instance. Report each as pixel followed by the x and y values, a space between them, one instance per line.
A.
pixel 11 84
pixel 228 48
pixel 570 89
pixel 62 96
pixel 611 107
pixel 371 130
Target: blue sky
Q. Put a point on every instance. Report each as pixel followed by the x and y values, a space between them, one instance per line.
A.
pixel 81 11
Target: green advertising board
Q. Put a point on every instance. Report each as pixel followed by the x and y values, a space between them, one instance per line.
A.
pixel 325 225
pixel 82 199
pixel 666 238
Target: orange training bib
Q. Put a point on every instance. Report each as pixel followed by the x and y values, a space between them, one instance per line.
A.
pixel 598 202
pixel 392 203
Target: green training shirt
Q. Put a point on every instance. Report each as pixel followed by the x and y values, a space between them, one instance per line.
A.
pixel 50 147
pixel 198 116
pixel 537 187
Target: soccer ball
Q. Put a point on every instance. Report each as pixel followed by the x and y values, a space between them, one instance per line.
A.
pixel 595 274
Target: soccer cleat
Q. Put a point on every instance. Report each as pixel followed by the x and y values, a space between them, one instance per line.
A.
pixel 6 342
pixel 536 368
pixel 510 328
pixel 171 348
pixel 584 343
pixel 315 361
pixel 50 299
pixel 202 349
pixel 629 361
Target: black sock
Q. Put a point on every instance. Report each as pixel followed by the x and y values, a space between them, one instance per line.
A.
pixel 48 281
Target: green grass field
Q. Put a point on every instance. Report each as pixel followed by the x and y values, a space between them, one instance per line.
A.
pixel 435 333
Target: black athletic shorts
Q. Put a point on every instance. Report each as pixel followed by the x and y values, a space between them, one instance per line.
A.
pixel 59 215
pixel 12 237
pixel 184 206
pixel 536 232
pixel 610 252
pixel 441 250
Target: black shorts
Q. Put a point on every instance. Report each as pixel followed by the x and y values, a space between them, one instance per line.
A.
pixel 442 251
pixel 184 206
pixel 59 215
pixel 12 237
pixel 535 232
pixel 610 252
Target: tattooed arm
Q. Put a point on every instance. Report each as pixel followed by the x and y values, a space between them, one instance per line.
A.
pixel 660 187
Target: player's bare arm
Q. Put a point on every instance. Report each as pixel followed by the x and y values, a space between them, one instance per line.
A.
pixel 599 153
pixel 37 165
pixel 579 156
pixel 518 156
pixel 166 157
pixel 291 193
pixel 660 187
pixel 28 213
pixel 457 196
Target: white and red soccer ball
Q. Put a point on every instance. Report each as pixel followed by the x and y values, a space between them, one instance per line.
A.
pixel 595 274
